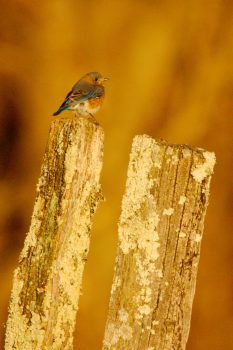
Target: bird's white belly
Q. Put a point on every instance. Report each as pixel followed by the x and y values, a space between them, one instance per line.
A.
pixel 82 108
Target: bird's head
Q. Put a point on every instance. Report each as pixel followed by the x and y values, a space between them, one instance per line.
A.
pixel 95 78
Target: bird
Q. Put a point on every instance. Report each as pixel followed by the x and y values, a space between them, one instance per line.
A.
pixel 85 97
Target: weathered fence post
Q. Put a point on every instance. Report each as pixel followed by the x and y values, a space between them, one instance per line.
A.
pixel 160 232
pixel 47 282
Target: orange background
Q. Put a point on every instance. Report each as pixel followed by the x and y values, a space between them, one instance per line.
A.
pixel 171 68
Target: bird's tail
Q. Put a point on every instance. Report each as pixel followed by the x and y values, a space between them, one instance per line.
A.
pixel 60 110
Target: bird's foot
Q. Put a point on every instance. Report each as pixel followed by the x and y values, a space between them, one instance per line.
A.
pixel 92 119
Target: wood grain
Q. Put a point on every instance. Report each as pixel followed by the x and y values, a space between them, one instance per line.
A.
pixel 160 232
pixel 47 282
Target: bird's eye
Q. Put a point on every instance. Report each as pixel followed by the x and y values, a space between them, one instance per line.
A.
pixel 96 79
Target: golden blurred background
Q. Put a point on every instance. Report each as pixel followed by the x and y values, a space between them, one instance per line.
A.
pixel 170 65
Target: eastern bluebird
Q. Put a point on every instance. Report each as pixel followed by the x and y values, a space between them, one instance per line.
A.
pixel 86 96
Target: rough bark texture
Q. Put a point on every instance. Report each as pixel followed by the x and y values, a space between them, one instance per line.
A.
pixel 160 232
pixel 47 282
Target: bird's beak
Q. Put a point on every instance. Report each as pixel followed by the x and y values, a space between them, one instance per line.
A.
pixel 102 80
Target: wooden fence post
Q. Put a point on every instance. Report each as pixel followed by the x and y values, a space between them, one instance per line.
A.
pixel 160 232
pixel 47 282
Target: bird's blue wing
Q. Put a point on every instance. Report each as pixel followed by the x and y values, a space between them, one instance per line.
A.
pixel 80 93
pixel 71 99
pixel 64 106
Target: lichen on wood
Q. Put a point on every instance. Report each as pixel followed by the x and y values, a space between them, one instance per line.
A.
pixel 160 232
pixel 47 282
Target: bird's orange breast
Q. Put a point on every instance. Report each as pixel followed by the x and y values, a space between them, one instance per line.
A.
pixel 95 102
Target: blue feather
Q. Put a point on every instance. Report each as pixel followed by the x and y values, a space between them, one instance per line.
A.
pixel 60 110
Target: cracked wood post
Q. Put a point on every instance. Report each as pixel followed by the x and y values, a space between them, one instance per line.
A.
pixel 160 232
pixel 47 282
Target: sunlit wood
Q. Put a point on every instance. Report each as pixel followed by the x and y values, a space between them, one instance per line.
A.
pixel 160 233
pixel 47 282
